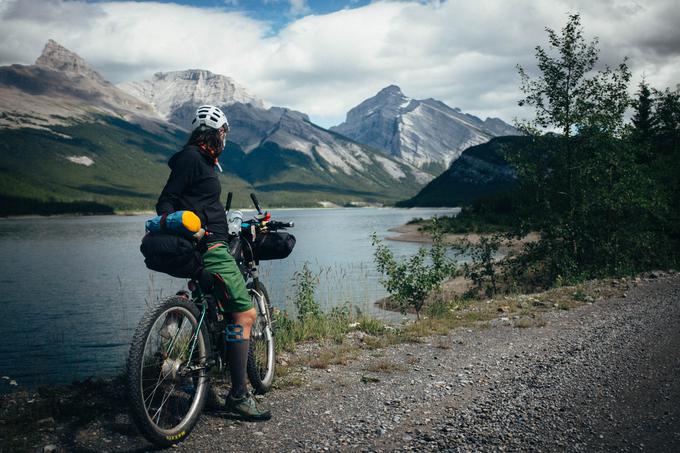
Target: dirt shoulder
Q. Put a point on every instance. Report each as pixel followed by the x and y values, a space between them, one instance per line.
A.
pixel 598 377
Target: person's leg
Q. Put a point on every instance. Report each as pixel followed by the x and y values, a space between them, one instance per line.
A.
pixel 239 399
pixel 239 305
pixel 238 343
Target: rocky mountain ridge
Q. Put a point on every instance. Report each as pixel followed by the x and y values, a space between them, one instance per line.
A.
pixel 69 136
pixel 480 171
pixel 62 88
pixel 176 95
pixel 55 56
pixel 426 133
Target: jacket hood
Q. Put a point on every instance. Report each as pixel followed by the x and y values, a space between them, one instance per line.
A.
pixel 187 149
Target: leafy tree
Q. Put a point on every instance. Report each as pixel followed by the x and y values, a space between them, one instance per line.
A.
pixel 566 96
pixel 570 98
pixel 410 281
pixel 581 186
pixel 665 169
pixel 666 120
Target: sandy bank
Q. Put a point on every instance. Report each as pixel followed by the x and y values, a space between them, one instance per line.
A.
pixel 413 233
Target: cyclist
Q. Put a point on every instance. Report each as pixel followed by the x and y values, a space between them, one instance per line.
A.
pixel 193 185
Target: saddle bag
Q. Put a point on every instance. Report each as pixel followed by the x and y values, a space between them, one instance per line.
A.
pixel 171 254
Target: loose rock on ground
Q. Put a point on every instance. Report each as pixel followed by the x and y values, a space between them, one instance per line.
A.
pixel 602 377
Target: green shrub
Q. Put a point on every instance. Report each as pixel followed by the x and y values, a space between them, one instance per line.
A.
pixel 482 269
pixel 371 326
pixel 410 281
pixel 305 283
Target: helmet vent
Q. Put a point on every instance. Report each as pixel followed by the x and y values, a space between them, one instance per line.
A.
pixel 210 116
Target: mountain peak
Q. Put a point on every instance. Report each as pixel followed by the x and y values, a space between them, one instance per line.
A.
pixel 390 95
pixel 426 133
pixel 176 94
pixel 195 75
pixel 391 89
pixel 57 57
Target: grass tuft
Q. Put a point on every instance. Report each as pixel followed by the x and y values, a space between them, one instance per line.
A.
pixel 383 366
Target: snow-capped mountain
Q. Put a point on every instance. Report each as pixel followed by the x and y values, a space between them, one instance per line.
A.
pixel 426 133
pixel 176 95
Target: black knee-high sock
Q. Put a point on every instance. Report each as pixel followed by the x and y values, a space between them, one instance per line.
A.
pixel 237 354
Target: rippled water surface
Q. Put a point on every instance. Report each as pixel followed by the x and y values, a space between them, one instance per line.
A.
pixel 72 289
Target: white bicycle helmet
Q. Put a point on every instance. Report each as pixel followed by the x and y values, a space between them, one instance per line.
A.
pixel 211 116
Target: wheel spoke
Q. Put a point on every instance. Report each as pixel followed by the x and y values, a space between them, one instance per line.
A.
pixel 153 392
pixel 166 396
pixel 179 329
pixel 165 360
pixel 166 376
pixel 161 379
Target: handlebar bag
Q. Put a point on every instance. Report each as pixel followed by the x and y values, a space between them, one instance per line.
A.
pixel 171 254
pixel 273 246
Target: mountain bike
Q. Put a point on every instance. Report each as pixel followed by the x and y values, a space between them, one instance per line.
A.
pixel 181 341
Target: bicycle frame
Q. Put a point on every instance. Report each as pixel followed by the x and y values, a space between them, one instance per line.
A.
pixel 204 306
pixel 201 300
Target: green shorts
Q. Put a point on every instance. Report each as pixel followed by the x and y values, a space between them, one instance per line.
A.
pixel 218 261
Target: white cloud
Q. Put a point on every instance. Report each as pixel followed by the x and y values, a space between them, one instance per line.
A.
pixel 299 7
pixel 128 41
pixel 461 52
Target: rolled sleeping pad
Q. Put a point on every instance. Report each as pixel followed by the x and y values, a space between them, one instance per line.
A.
pixel 185 223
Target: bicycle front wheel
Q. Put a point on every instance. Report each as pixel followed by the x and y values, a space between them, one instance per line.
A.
pixel 262 353
pixel 167 378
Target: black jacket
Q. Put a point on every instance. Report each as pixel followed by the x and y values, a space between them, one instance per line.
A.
pixel 193 186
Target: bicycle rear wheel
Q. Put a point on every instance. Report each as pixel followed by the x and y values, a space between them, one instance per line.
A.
pixel 262 352
pixel 167 378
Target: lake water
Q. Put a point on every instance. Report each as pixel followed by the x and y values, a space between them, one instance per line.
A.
pixel 72 289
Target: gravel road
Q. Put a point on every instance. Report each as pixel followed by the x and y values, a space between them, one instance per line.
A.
pixel 602 377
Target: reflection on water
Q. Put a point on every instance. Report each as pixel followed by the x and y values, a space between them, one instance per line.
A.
pixel 72 289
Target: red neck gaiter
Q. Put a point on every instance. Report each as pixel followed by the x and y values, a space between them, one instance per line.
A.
pixel 208 152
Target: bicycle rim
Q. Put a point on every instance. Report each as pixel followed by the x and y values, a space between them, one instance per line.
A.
pixel 171 392
pixel 262 351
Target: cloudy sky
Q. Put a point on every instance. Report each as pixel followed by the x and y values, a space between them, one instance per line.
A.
pixel 324 57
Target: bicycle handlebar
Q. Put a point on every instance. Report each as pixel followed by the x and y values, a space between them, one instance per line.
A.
pixel 275 225
pixel 262 218
pixel 257 205
pixel 271 225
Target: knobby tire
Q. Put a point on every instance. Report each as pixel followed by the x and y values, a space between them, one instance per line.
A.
pixel 261 355
pixel 179 391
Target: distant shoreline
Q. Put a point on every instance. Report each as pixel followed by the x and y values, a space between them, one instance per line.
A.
pixel 412 233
